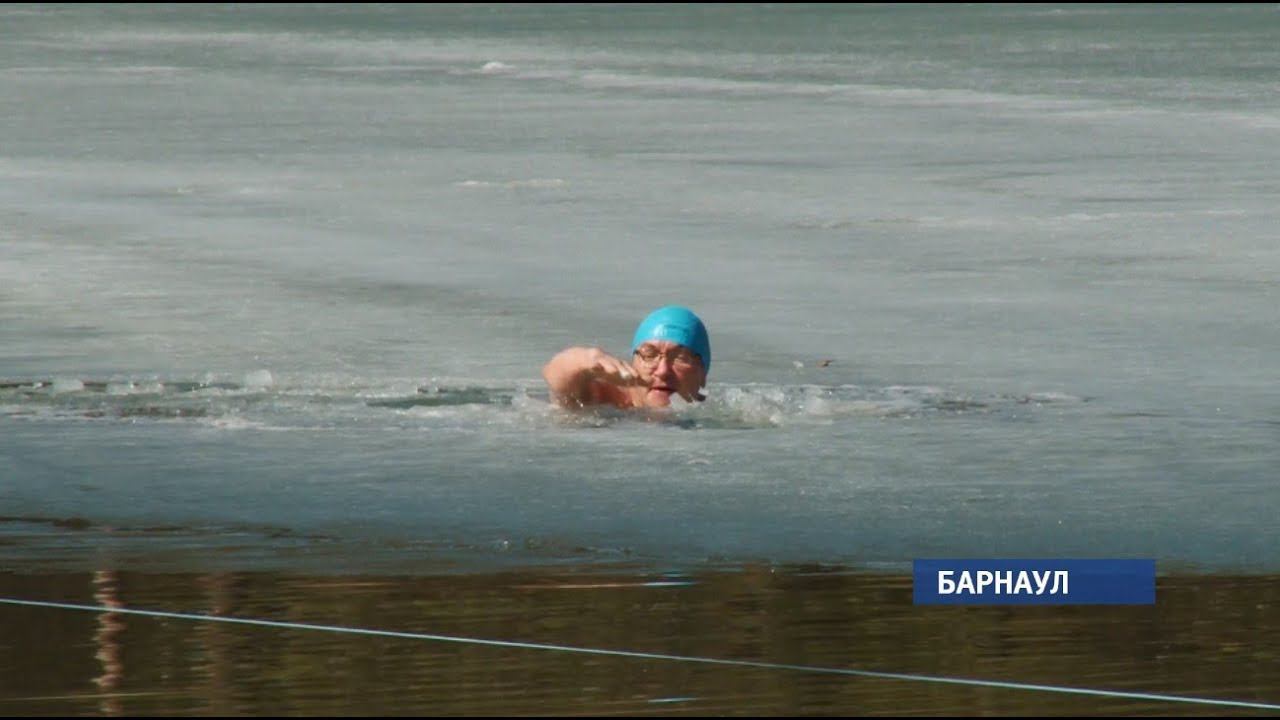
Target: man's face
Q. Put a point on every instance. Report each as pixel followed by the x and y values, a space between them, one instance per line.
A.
pixel 668 369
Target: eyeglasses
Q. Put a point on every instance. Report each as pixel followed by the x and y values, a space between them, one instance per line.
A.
pixel 681 360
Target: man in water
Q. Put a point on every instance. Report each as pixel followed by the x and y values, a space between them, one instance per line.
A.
pixel 670 355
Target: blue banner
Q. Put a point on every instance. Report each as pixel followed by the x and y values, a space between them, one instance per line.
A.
pixel 1034 582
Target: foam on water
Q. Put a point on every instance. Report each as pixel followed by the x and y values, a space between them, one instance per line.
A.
pixel 545 183
pixel 312 402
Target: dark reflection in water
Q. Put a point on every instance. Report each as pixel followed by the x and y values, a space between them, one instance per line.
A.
pixel 1207 636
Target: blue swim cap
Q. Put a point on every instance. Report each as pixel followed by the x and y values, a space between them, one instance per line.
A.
pixel 678 325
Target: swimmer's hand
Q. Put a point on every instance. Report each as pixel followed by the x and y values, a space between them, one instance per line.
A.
pixel 604 367
pixel 571 374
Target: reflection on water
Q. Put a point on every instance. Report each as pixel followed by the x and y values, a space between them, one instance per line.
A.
pixel 1208 636
pixel 107 640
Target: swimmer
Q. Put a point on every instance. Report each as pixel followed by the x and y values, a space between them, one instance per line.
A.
pixel 670 355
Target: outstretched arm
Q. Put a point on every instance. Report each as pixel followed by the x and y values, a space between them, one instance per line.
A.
pixel 572 373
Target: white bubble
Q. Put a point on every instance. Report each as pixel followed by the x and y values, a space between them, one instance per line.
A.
pixel 259 379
